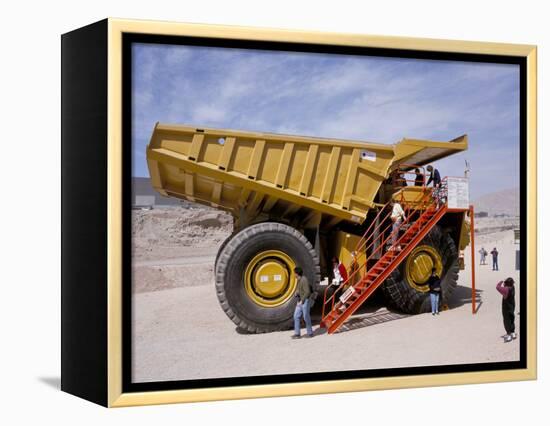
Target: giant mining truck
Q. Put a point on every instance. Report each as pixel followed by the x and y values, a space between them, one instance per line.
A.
pixel 302 200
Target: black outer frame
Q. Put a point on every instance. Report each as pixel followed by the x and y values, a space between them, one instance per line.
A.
pixel 84 351
pixel 129 39
pixel 84 212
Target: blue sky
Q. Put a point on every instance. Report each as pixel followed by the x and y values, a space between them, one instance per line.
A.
pixel 337 96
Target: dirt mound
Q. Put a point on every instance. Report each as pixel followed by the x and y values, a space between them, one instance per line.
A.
pixel 170 232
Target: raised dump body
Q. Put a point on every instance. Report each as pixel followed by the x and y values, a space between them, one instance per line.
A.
pixel 319 181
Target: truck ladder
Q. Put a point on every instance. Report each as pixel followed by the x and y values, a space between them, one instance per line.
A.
pixel 418 223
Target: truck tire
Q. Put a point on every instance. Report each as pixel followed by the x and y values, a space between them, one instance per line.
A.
pixel 412 298
pixel 279 247
pixel 222 246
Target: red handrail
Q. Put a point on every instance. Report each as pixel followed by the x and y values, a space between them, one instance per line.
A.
pixel 435 195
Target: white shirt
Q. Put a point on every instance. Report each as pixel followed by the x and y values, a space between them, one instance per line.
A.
pixel 397 212
pixel 337 277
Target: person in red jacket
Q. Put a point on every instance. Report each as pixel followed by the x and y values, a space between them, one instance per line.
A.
pixel 340 276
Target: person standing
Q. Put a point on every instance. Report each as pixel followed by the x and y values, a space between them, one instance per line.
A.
pixel 434 283
pixel 397 217
pixel 397 179
pixel 303 305
pixel 340 276
pixel 419 178
pixel 435 179
pixel 508 292
pixel 494 253
pixel 482 256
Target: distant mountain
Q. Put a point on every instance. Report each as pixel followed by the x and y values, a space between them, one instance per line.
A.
pixel 500 202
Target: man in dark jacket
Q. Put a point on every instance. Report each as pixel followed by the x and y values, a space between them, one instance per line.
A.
pixel 434 282
pixel 303 305
pixel 436 179
pixel 494 253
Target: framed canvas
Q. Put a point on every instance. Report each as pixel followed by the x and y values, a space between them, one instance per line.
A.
pixel 254 212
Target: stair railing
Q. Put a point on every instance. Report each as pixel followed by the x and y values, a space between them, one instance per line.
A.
pixel 428 201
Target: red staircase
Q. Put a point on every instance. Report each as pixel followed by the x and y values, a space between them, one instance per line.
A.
pixel 418 223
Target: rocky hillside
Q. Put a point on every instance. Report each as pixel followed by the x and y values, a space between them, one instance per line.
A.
pixel 502 202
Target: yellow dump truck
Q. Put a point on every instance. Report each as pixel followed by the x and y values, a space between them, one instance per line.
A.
pixel 300 201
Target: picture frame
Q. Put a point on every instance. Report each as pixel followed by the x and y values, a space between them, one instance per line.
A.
pixel 96 203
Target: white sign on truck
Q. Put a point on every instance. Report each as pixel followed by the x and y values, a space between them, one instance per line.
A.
pixel 458 192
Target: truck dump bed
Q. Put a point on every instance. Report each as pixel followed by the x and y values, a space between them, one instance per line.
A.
pixel 249 174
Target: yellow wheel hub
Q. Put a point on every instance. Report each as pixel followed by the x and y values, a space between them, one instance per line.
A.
pixel 269 278
pixel 418 267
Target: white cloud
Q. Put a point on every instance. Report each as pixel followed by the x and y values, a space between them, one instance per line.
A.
pixel 208 114
pixel 365 98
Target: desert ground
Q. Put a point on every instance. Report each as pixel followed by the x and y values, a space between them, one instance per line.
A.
pixel 180 332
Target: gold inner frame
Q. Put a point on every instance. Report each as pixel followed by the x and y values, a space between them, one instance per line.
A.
pixel 116 28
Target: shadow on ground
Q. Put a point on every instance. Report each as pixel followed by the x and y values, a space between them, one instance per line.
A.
pixel 375 303
pixel 54 382
pixel 374 311
pixel 463 295
pixel 357 322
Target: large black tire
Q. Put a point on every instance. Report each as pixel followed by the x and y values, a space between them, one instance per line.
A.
pixel 400 295
pixel 230 271
pixel 222 246
pixel 224 243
